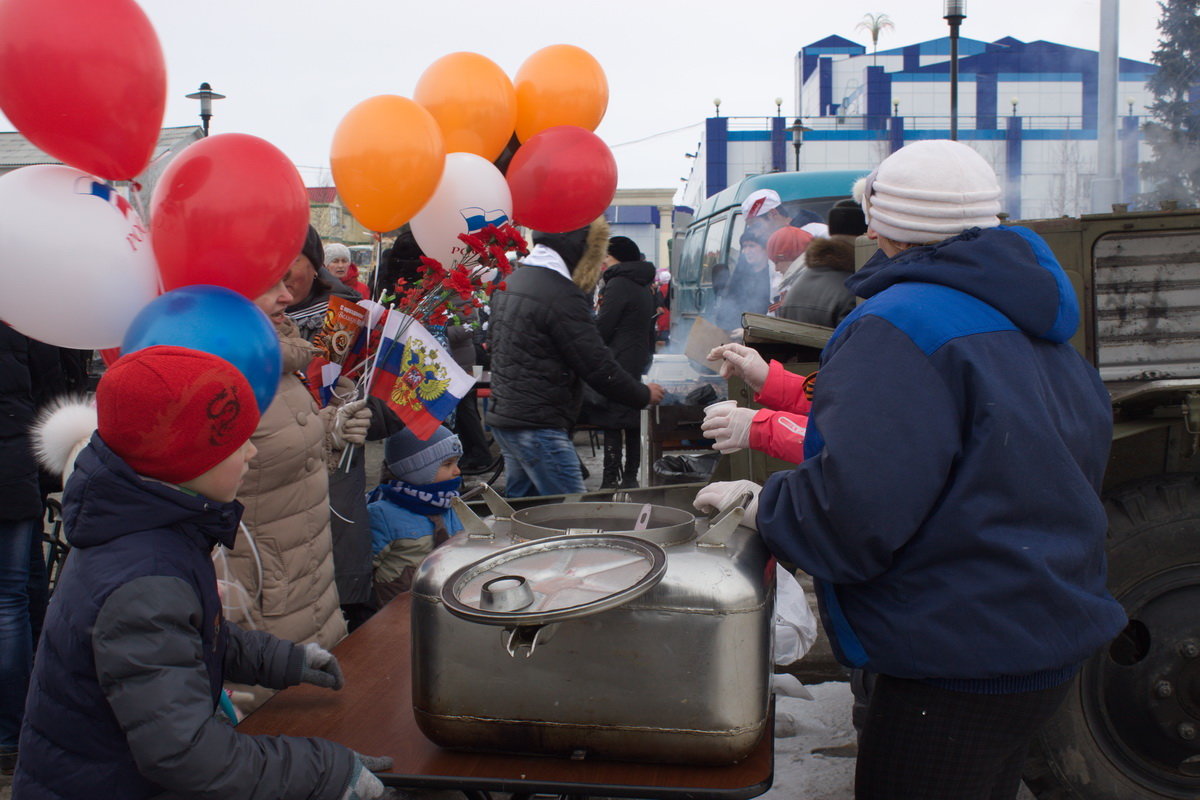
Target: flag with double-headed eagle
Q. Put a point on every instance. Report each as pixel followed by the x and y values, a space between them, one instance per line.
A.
pixel 415 375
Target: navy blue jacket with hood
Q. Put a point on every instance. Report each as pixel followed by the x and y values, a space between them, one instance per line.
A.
pixel 134 650
pixel 948 504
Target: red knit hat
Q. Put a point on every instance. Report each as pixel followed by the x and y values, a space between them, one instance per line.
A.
pixel 787 243
pixel 173 413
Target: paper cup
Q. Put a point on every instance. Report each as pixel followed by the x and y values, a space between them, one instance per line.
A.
pixel 714 409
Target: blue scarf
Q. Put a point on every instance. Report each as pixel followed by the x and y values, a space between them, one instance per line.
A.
pixel 428 499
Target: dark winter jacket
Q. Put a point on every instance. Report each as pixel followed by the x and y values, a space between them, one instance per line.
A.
pixel 131 660
pixel 544 345
pixel 819 295
pixel 948 504
pixel 625 319
pixel 30 375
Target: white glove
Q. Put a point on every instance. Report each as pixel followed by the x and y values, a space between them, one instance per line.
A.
pixel 729 428
pixel 722 495
pixel 321 668
pixel 742 361
pixel 351 424
pixel 363 785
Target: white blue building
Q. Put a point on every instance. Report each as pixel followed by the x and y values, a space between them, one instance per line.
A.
pixel 1029 108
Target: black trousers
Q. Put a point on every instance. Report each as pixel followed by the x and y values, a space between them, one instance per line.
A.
pixel 921 742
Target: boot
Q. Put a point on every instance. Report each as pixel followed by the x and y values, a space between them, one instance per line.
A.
pixel 611 478
pixel 629 475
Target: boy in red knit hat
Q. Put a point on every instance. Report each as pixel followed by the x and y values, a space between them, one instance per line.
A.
pixel 127 684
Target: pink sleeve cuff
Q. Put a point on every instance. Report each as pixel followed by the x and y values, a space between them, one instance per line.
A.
pixel 783 390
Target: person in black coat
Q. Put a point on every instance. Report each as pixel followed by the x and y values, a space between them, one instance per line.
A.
pixel 625 319
pixel 30 375
pixel 545 346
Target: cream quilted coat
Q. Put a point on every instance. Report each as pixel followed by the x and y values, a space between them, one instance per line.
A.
pixel 288 589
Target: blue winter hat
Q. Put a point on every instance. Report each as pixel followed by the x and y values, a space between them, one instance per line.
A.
pixel 416 461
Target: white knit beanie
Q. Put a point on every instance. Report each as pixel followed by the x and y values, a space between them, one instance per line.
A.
pixel 336 250
pixel 928 191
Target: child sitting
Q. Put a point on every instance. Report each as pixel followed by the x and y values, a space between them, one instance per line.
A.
pixel 411 514
pixel 129 669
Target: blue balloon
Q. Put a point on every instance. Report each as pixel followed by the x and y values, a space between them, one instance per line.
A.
pixel 213 319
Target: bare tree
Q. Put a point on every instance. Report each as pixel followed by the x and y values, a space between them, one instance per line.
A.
pixel 875 24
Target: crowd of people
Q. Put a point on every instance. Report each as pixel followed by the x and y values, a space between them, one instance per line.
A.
pixel 945 494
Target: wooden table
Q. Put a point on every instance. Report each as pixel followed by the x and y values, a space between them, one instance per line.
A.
pixel 373 715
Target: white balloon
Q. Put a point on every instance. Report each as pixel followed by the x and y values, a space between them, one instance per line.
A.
pixel 75 259
pixel 471 194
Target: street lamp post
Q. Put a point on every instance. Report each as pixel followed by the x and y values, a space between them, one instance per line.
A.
pixel 206 95
pixel 798 128
pixel 955 13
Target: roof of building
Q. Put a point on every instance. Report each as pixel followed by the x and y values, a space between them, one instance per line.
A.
pixel 321 194
pixel 16 150
pixel 836 42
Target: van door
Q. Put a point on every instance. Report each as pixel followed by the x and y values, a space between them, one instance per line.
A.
pixel 685 283
pixel 716 249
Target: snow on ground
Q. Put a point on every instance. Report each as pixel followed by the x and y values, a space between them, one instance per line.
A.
pixel 822 724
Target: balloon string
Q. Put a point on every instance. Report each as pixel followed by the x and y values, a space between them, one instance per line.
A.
pixel 378 264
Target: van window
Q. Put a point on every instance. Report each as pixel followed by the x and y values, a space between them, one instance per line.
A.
pixel 714 248
pixel 735 246
pixel 690 255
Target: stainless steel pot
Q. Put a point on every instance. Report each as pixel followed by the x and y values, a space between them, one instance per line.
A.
pixel 610 630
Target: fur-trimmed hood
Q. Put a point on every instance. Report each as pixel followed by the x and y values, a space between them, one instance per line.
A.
pixel 582 251
pixel 587 273
pixel 830 254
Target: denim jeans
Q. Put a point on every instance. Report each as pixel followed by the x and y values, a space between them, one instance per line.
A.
pixel 539 461
pixel 22 609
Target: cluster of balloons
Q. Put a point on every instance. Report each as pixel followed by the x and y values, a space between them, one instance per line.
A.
pixel 85 81
pixel 430 160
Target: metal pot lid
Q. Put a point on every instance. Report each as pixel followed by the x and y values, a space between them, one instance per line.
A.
pixel 554 579
pixel 661 524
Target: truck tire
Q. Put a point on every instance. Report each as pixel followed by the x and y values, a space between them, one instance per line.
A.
pixel 1130 726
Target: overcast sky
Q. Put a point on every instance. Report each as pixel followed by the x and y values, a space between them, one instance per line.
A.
pixel 292 68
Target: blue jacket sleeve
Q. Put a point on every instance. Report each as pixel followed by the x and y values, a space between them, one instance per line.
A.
pixel 885 430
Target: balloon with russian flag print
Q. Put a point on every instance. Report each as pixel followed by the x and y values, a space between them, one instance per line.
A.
pixel 83 238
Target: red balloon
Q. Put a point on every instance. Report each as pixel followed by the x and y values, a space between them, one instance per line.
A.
pixel 84 80
pixel 230 210
pixel 561 179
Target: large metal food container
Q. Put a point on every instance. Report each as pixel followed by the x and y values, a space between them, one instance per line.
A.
pixel 607 630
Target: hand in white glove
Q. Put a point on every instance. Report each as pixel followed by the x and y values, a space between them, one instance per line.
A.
pixel 743 362
pixel 729 428
pixel 351 424
pixel 722 495
pixel 321 668
pixel 363 785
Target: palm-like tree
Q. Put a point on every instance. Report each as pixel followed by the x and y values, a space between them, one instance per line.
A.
pixel 875 24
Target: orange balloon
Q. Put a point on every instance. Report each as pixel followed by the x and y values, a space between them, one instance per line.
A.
pixel 472 100
pixel 559 85
pixel 387 158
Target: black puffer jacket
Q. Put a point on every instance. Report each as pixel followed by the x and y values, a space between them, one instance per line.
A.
pixel 544 344
pixel 625 319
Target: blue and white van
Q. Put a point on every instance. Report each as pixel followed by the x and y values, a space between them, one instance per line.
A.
pixel 712 236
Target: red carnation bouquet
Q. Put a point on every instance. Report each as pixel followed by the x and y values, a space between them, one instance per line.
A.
pixel 440 295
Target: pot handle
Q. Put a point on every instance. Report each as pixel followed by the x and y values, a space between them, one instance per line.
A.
pixel 525 638
pixel 723 522
pixel 475 527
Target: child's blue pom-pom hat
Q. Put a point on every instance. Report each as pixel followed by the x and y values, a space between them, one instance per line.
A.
pixel 416 461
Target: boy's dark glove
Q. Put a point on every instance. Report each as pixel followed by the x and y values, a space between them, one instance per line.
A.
pixel 363 785
pixel 321 669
